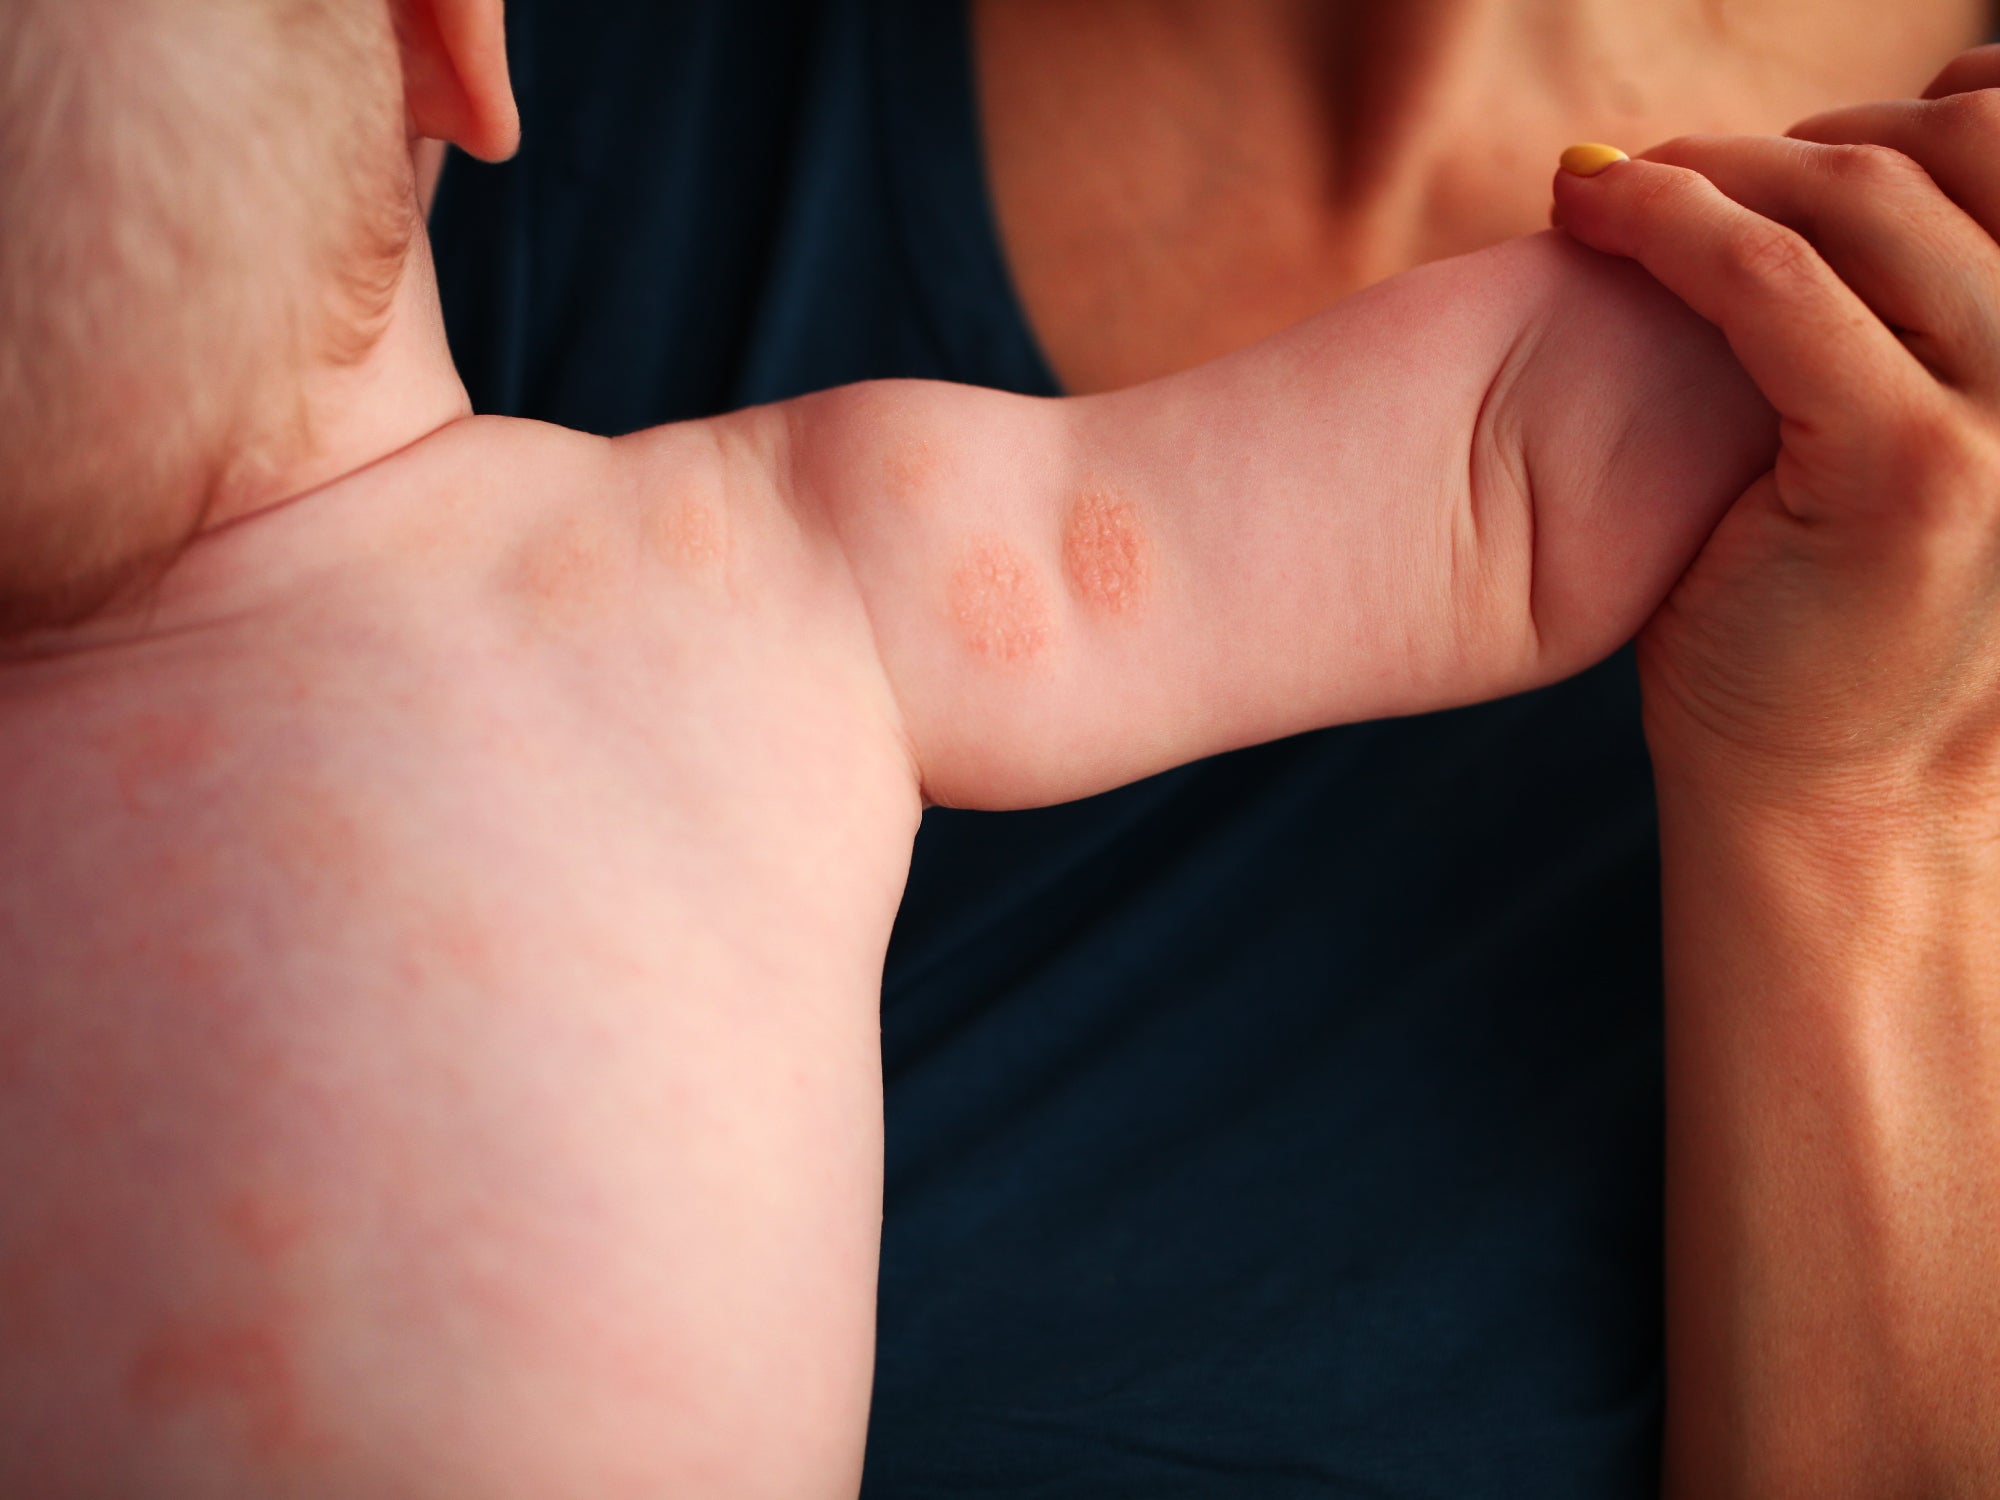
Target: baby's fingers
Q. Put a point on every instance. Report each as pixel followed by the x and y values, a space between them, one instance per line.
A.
pixel 1813 347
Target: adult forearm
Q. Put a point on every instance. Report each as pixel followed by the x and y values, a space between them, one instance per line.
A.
pixel 1833 1147
pixel 1822 694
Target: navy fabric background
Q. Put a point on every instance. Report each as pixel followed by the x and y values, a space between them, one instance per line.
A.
pixel 1287 1125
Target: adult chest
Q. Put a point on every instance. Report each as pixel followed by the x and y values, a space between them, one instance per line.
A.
pixel 1173 181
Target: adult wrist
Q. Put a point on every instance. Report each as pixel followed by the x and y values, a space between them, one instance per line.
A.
pixel 1835 860
pixel 1820 799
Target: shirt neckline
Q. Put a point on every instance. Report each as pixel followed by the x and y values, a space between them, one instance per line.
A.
pixel 942 197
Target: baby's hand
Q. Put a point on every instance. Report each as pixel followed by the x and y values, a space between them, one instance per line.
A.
pixel 1838 638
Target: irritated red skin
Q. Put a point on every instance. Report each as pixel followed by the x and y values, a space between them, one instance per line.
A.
pixel 243 1371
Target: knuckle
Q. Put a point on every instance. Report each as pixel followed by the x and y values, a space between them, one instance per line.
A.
pixel 1948 474
pixel 1868 167
pixel 1762 253
pixel 1971 117
pixel 1666 191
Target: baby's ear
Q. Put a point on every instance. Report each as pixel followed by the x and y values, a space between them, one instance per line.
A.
pixel 455 74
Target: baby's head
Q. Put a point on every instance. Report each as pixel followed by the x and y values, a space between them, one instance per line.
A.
pixel 208 205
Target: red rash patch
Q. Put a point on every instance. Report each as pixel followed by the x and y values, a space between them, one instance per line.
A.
pixel 456 946
pixel 244 1368
pixel 564 569
pixel 999 604
pixel 265 1228
pixel 1104 553
pixel 316 835
pixel 157 753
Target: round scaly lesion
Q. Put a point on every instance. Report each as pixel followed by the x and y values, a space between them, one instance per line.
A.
pixel 1105 557
pixel 1000 604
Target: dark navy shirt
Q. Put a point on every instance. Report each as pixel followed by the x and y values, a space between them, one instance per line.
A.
pixel 1287 1125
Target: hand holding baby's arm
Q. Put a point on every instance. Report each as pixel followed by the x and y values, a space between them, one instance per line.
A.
pixel 1467 481
pixel 1822 695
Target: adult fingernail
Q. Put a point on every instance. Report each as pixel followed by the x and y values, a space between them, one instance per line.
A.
pixel 1589 158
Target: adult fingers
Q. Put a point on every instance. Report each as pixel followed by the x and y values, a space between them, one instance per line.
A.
pixel 1920 263
pixel 1803 335
pixel 1956 139
pixel 1974 68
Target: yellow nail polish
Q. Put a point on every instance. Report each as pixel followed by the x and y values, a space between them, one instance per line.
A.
pixel 1589 158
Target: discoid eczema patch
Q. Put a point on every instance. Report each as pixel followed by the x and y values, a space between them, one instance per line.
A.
pixel 1104 553
pixel 912 469
pixel 691 535
pixel 1000 605
pixel 562 570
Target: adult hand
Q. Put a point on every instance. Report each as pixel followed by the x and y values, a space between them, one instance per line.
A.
pixel 1836 646
pixel 1822 696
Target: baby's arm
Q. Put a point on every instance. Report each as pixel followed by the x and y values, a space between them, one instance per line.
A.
pixel 1467 481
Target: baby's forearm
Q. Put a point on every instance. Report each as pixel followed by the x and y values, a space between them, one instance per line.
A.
pixel 1464 482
